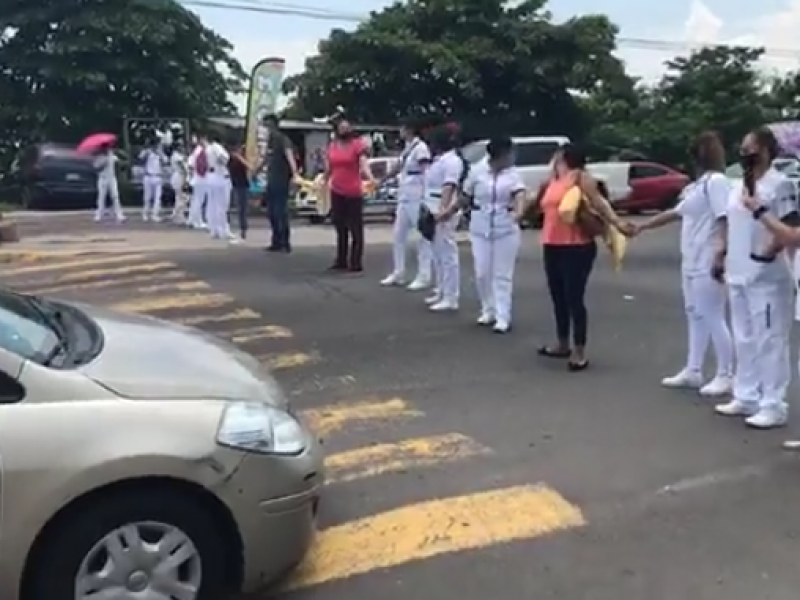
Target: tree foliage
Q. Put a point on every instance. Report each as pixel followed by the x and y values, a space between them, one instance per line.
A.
pixel 70 67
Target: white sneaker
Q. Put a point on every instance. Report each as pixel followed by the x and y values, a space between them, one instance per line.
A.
pixel 686 379
pixel 145 217
pixel 156 219
pixel 419 284
pixel 486 318
pixel 233 240
pixel 433 298
pixel 721 385
pixel 736 408
pixel 393 279
pixel 120 218
pixel 444 306
pixel 767 418
pixel 98 217
pixel 501 327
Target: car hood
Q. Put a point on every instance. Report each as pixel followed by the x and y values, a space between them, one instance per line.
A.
pixel 146 358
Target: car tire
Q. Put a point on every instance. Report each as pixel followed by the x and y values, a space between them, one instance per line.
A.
pixel 62 553
pixel 317 219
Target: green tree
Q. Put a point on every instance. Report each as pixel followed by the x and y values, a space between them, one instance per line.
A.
pixel 70 67
pixel 484 62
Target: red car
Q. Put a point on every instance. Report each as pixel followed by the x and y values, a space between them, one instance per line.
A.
pixel 650 186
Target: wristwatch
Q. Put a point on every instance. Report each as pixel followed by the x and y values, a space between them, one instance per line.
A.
pixel 759 212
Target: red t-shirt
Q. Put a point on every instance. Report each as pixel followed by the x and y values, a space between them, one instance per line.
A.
pixel 343 162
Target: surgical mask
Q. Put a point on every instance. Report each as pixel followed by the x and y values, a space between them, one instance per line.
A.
pixel 749 161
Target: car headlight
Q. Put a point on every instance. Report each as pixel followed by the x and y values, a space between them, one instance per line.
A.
pixel 261 428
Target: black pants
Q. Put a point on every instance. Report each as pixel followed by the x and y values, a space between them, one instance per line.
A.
pixel 567 269
pixel 347 214
pixel 277 201
pixel 240 197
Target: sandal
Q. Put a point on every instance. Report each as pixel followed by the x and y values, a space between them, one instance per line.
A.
pixel 553 353
pixel 574 366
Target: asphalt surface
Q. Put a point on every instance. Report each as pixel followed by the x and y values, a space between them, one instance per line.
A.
pixel 597 485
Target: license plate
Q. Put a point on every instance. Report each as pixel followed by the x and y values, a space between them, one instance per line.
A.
pixel 73 177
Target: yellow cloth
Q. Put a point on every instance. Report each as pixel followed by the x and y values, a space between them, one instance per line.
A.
pixel 613 240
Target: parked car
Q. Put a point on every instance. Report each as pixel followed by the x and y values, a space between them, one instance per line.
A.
pixel 651 186
pixel 126 475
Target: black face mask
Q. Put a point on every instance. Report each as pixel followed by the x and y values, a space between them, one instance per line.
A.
pixel 749 160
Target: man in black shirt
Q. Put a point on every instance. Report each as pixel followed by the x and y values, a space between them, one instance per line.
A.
pixel 281 170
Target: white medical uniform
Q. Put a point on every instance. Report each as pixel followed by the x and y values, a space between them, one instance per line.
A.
pixel 199 183
pixel 702 204
pixel 219 191
pixel 495 238
pixel 177 179
pixel 761 306
pixel 153 183
pixel 107 186
pixel 445 170
pixel 410 195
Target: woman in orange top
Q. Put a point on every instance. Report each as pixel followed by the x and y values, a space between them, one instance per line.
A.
pixel 569 254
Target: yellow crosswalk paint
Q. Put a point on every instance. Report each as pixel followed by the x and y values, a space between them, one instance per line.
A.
pixel 24 256
pixel 261 332
pixel 329 419
pixel 243 314
pixel 73 264
pixel 287 360
pixel 401 456
pixel 181 286
pixel 107 283
pixel 436 527
pixel 174 302
pixel 86 275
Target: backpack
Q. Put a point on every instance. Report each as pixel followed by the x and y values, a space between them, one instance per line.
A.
pixel 201 163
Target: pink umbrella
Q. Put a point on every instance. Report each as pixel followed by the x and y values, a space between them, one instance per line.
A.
pixel 94 141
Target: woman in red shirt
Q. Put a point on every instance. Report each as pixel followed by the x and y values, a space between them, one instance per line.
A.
pixel 346 170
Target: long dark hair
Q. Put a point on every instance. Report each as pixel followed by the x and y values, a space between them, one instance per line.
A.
pixel 708 152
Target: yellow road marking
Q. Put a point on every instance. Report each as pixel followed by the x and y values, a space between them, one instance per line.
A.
pixel 95 285
pixel 108 273
pixel 251 334
pixel 287 360
pixel 73 264
pixel 173 302
pixel 182 286
pixel 329 419
pixel 22 256
pixel 428 529
pixel 243 314
pixel 396 458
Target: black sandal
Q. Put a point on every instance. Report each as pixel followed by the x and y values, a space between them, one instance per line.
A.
pixel 551 353
pixel 574 367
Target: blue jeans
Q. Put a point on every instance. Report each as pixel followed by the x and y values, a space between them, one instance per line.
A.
pixel 277 200
pixel 239 197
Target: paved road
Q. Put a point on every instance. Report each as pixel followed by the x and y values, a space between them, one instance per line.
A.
pixel 452 450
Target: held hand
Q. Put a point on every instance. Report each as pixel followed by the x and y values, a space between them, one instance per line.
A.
pixel 628 229
pixel 749 202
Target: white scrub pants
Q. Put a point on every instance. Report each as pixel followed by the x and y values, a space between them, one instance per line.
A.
pixel 405 223
pixel 445 260
pixel 151 201
pixel 179 210
pixel 761 318
pixel 495 260
pixel 704 302
pixel 200 193
pixel 219 201
pixel 107 188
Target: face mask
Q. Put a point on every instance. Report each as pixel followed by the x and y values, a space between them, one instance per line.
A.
pixel 749 160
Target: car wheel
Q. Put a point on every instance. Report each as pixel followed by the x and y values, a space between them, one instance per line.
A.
pixel 154 544
pixel 316 219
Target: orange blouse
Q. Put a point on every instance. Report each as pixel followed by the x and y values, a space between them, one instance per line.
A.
pixel 555 231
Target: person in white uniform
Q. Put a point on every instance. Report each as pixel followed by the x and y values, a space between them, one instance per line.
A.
pixel 498 196
pixel 219 192
pixel 443 179
pixel 760 285
pixel 153 160
pixel 177 180
pixel 703 205
pixel 105 163
pixel 410 169
pixel 198 164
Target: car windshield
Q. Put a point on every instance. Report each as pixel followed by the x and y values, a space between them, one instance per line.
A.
pixel 28 327
pixel 474 152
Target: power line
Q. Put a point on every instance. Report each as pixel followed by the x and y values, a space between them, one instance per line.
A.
pixel 323 14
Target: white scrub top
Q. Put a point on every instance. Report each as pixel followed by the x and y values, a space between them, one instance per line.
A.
pixel 747 236
pixel 411 183
pixel 445 169
pixel 701 204
pixel 192 160
pixel 218 159
pixel 493 202
pixel 105 165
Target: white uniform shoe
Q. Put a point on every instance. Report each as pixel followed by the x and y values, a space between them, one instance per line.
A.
pixel 767 418
pixel 393 279
pixel 434 298
pixel 419 284
pixel 501 327
pixel 736 408
pixel 721 385
pixel 486 318
pixel 444 306
pixel 686 379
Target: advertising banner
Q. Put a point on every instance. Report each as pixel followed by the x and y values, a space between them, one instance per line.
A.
pixel 265 89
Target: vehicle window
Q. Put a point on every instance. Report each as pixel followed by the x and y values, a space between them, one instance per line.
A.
pixel 734 171
pixel 23 331
pixel 643 171
pixel 529 154
pixel 378 168
pixel 474 152
pixel 11 391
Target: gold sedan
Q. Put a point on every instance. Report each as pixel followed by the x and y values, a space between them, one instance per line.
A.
pixel 142 459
